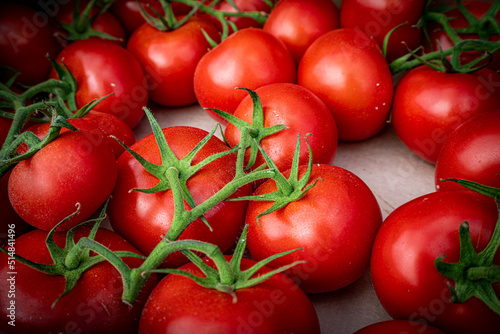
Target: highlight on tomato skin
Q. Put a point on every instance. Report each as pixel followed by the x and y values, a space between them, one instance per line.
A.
pixel 471 152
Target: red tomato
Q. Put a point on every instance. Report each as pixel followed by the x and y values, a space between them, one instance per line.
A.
pixel 129 12
pixel 398 327
pixel 26 37
pixel 404 276
pixel 71 169
pixel 99 126
pixel 298 23
pixel 249 58
pixel 170 58
pixel 471 152
pixel 429 104
pixel 93 306
pixel 291 105
pixel 105 22
pixel 243 6
pixel 144 219
pixel 346 69
pixel 440 39
pixel 10 219
pixel 102 67
pixel 335 223
pixel 179 305
pixel 377 18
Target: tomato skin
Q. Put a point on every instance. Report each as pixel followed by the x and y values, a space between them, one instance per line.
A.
pixel 440 39
pixel 234 63
pixel 144 218
pixel 399 327
pixel 101 67
pixel 411 238
pixel 291 105
pixel 129 11
pixel 340 67
pixel 429 104
pixel 10 219
pixel 335 223
pixel 26 37
pixel 93 306
pixel 377 18
pixel 100 126
pixel 243 6
pixel 298 23
pixel 105 22
pixel 179 305
pixel 170 59
pixel 71 169
pixel 471 152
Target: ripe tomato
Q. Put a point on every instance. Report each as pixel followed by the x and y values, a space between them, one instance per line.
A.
pixel 71 169
pixel 179 305
pixel 105 22
pixel 289 104
pixel 26 37
pixel 400 327
pixel 377 18
pixel 170 58
pixel 429 104
pixel 440 39
pixel 102 67
pixel 404 276
pixel 335 223
pixel 99 126
pixel 10 219
pixel 346 69
pixel 471 152
pixel 243 6
pixel 93 306
pixel 144 218
pixel 298 23
pixel 249 58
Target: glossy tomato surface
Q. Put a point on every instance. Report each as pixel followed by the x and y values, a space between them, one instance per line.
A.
pixel 378 18
pixel 334 223
pixel 471 152
pixel 302 112
pixel 70 170
pixel 249 58
pixel 411 238
pixel 144 218
pixel 100 68
pixel 429 104
pixel 98 127
pixel 298 23
pixel 346 69
pixel 179 305
pixel 93 306
pixel 170 58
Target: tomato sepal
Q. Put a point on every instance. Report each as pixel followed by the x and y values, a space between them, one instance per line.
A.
pixel 474 273
pixel 228 277
pixel 257 130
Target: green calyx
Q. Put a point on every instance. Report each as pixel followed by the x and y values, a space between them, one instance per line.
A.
pixel 168 21
pixel 72 260
pixel 81 27
pixel 228 276
pixel 474 274
pixel 173 169
pixel 438 59
pixel 289 190
pixel 256 129
pixel 56 105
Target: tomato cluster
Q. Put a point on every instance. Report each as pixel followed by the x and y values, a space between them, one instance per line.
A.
pixel 113 221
